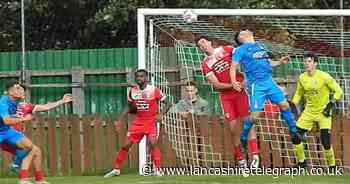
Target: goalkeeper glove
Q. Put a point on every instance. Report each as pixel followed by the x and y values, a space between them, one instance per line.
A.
pixel 329 109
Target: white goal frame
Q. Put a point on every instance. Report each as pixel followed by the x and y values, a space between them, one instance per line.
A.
pixel 141 31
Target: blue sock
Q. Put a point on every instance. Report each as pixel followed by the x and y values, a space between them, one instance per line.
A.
pixel 288 117
pixel 19 156
pixel 247 125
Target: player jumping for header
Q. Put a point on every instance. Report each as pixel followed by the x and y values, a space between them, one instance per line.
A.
pixel 216 67
pixel 257 66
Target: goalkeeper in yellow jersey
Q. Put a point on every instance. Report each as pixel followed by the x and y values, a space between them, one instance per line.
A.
pixel 320 91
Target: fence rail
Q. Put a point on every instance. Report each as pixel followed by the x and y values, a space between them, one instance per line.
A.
pixel 74 145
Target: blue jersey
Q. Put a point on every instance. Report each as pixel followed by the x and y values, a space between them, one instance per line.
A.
pixel 8 107
pixel 254 59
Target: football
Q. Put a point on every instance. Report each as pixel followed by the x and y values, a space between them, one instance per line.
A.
pixel 189 16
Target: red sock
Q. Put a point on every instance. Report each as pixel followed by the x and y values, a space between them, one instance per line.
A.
pixel 39 175
pixel 120 158
pixel 23 174
pixel 156 155
pixel 253 147
pixel 238 153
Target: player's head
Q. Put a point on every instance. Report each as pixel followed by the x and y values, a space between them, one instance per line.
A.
pixel 141 77
pixel 15 89
pixel 191 91
pixel 205 45
pixel 244 36
pixel 310 62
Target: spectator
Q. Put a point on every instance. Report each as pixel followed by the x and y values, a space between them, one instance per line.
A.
pixel 192 103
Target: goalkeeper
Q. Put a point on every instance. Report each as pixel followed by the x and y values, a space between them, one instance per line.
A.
pixel 320 91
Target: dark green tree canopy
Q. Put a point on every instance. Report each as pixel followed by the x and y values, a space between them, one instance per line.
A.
pixel 104 23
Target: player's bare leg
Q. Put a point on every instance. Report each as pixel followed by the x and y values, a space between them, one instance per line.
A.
pixel 34 156
pixel 121 155
pixel 23 172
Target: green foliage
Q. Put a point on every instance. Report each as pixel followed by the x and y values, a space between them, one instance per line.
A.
pixel 103 23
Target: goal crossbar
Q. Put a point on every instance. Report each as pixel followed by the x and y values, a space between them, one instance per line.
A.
pixel 142 12
pixel 247 12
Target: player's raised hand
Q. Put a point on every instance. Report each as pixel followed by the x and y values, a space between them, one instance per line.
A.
pixel 67 98
pixel 237 86
pixel 285 59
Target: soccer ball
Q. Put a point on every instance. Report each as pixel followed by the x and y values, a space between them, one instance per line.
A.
pixel 189 16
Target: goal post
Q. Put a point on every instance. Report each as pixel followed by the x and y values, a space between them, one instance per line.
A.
pixel 153 25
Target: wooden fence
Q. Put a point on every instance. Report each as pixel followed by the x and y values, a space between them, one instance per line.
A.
pixel 88 145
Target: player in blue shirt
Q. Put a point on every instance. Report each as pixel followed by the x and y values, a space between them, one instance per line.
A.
pixel 8 107
pixel 254 59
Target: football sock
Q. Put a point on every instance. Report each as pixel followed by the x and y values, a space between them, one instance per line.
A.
pixel 120 158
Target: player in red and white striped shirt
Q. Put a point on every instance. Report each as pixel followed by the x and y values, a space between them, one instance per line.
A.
pixel 143 102
pixel 216 67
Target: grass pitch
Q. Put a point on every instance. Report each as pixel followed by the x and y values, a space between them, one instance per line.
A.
pixel 135 179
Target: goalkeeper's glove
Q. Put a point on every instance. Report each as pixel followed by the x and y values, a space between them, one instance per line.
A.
pixel 329 109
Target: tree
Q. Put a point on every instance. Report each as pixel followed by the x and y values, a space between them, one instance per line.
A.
pixel 104 23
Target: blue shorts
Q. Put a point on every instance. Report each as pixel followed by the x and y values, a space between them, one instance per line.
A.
pixel 261 91
pixel 11 136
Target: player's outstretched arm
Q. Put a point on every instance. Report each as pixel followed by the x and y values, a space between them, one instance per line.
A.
pixel 218 86
pixel 51 105
pixel 282 60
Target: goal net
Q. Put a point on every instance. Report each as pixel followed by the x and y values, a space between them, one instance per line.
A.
pixel 168 43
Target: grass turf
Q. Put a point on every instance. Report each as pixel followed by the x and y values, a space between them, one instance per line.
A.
pixel 135 179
